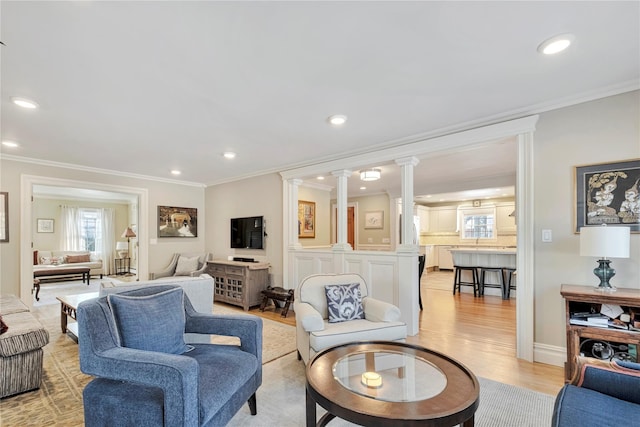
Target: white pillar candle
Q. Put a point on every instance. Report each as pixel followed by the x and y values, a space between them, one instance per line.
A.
pixel 372 379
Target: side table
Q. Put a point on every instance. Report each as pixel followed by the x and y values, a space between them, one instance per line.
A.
pixel 123 265
pixel 277 294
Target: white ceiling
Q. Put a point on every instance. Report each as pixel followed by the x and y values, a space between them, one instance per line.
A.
pixel 146 87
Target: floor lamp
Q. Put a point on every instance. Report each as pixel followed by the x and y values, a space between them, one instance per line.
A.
pixel 128 233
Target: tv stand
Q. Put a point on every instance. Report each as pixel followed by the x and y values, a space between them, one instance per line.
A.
pixel 239 282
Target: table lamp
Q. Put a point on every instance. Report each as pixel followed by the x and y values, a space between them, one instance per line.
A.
pixel 123 249
pixel 605 242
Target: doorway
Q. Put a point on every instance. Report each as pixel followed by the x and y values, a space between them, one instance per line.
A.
pixel 28 182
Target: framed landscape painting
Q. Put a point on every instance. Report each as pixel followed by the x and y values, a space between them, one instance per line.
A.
pixel 608 193
pixel 177 222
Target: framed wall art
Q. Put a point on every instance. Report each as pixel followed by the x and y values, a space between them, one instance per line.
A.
pixel 608 193
pixel 306 219
pixel 177 222
pixel 45 225
pixel 374 219
pixel 4 216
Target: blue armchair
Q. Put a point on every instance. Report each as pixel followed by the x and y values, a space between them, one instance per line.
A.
pixel 139 382
pixel 606 394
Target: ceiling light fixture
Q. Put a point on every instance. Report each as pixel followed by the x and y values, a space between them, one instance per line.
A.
pixel 24 102
pixel 370 175
pixel 10 144
pixel 337 119
pixel 320 177
pixel 229 155
pixel 175 172
pixel 556 44
pixel 363 188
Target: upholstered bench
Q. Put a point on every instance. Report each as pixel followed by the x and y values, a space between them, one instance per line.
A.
pixel 21 352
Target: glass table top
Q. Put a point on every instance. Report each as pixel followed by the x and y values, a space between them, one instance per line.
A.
pixel 389 376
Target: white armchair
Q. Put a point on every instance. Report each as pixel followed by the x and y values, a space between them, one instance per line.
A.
pixel 183 264
pixel 313 330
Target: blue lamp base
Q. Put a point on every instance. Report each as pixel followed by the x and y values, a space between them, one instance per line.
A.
pixel 604 272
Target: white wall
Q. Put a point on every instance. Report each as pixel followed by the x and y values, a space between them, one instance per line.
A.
pixel 605 130
pixel 250 197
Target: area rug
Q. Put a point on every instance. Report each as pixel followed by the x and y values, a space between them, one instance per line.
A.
pixel 281 401
pixel 59 400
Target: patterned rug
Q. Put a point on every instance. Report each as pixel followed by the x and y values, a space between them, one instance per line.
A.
pixel 59 400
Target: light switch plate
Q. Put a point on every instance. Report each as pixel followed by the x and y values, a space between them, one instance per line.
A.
pixel 547 236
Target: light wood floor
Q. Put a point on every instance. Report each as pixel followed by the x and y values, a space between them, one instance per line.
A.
pixel 479 332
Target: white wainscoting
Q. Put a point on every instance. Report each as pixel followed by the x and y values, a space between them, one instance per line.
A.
pixel 381 271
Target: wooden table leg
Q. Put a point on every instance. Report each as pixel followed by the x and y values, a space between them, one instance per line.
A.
pixel 470 422
pixel 36 286
pixel 63 317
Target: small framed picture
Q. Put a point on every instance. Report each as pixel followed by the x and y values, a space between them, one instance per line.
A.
pixel 45 225
pixel 374 219
pixel 306 219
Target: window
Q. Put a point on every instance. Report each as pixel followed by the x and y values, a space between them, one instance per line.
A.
pixel 90 229
pixel 478 224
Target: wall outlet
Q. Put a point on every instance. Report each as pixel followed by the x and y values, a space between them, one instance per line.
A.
pixel 547 236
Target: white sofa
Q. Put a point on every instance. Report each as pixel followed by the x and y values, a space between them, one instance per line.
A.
pixel 313 330
pixel 199 290
pixel 44 260
pixel 171 270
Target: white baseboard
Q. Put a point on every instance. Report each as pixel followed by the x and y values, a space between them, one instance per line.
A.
pixel 549 354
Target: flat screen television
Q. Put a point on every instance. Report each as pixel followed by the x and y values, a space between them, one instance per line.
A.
pixel 247 233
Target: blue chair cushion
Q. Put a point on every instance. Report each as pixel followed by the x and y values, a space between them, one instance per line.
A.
pixel 152 322
pixel 344 302
pixel 582 407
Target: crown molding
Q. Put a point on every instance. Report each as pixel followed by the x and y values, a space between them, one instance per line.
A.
pixel 119 174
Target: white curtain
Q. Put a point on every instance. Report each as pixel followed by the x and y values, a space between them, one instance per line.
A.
pixel 70 233
pixel 105 247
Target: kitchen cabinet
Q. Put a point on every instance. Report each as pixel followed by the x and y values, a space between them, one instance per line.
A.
pixel 423 213
pixel 505 224
pixel 445 259
pixel 443 219
pixel 430 255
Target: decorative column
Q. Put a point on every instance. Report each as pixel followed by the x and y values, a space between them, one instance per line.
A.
pixel 406 174
pixel 293 225
pixel 408 282
pixel 341 214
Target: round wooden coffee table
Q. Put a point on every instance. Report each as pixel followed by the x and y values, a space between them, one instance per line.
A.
pixel 386 383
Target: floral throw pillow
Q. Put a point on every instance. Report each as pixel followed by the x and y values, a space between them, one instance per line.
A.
pixel 344 302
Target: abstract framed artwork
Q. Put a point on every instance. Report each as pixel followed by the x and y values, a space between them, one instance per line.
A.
pixel 4 216
pixel 306 219
pixel 608 193
pixel 177 222
pixel 45 225
pixel 374 219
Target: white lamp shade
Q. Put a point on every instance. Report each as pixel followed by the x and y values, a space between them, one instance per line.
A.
pixel 122 246
pixel 605 241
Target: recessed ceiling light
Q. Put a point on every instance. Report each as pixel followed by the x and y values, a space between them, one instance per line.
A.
pixel 10 144
pixel 363 188
pixel 337 119
pixel 428 195
pixel 229 155
pixel 320 177
pixel 556 44
pixel 175 172
pixel 24 102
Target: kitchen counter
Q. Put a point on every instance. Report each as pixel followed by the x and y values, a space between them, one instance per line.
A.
pixel 484 257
